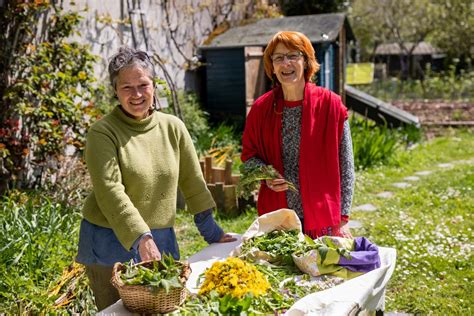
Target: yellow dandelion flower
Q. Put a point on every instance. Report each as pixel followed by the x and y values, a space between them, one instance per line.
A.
pixel 234 277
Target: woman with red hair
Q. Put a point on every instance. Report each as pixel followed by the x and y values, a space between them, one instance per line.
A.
pixel 302 131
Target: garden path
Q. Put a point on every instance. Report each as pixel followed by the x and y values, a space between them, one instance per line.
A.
pixel 401 185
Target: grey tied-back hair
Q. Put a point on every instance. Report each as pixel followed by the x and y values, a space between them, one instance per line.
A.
pixel 128 57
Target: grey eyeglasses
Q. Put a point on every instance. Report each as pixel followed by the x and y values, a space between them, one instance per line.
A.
pixel 291 56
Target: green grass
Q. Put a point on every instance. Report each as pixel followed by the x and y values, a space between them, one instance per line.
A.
pixel 429 224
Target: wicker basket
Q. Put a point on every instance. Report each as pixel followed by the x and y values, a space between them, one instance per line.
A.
pixel 143 299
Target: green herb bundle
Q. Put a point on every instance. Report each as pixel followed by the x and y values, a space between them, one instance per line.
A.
pixel 279 244
pixel 161 274
pixel 216 305
pixel 252 174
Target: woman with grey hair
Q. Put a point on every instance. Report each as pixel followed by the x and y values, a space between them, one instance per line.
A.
pixel 137 158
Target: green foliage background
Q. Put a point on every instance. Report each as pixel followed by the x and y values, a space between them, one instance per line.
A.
pixel 50 100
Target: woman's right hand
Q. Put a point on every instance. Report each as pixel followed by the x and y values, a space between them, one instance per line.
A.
pixel 277 185
pixel 148 249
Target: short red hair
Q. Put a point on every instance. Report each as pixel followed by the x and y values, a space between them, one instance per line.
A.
pixel 292 40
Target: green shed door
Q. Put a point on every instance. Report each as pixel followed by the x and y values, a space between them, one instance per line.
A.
pixel 225 84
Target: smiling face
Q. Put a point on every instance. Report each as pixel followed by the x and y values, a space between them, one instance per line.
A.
pixel 288 72
pixel 134 90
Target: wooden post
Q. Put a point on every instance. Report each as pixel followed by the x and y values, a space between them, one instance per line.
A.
pixel 228 172
pixel 208 169
pixel 219 195
pixel 218 174
pixel 230 200
pixel 212 189
pixel 235 179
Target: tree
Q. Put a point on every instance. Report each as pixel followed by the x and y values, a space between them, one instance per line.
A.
pixel 403 22
pixel 453 30
pixel 303 7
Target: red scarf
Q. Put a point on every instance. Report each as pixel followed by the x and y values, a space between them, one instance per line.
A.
pixel 322 125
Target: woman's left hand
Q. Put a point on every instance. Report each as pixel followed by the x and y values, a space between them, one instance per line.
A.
pixel 345 230
pixel 277 185
pixel 227 238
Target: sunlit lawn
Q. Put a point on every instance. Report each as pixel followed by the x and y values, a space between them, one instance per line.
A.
pixel 429 223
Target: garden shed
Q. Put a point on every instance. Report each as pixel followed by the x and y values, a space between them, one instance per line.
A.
pixel 423 54
pixel 233 75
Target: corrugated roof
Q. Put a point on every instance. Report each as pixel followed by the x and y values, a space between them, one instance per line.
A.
pixel 317 27
pixel 423 48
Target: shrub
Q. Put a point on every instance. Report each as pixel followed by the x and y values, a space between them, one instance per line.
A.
pixel 372 144
pixel 447 86
pixel 222 141
pixel 194 118
pixel 38 240
pixel 48 104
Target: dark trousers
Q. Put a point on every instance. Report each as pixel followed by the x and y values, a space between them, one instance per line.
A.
pixel 99 280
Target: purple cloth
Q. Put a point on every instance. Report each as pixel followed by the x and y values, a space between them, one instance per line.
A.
pixel 365 256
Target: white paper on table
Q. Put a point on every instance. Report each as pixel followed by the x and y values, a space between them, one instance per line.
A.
pixel 363 292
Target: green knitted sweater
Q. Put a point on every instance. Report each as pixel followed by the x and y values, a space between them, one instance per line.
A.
pixel 136 167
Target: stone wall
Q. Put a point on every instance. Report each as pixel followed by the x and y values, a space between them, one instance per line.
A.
pixel 174 29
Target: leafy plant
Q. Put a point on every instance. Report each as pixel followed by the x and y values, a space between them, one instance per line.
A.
pixel 48 104
pixel 217 305
pixel 279 244
pixel 372 144
pixel 34 252
pixel 161 274
pixel 194 117
pixel 252 174
pixel 221 142
pixel 440 238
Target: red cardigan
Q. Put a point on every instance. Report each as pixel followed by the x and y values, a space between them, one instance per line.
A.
pixel 322 122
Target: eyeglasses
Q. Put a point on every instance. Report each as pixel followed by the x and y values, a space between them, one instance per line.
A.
pixel 291 56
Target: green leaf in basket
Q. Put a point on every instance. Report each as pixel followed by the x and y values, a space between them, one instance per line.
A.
pixel 166 285
pixel 164 274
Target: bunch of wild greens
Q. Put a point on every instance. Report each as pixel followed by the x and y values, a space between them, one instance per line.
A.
pixel 252 174
pixel 160 274
pixel 279 244
pixel 287 287
pixel 214 304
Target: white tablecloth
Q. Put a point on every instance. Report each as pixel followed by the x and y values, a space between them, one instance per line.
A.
pixel 366 292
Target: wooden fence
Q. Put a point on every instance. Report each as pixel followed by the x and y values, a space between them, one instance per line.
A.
pixel 223 186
